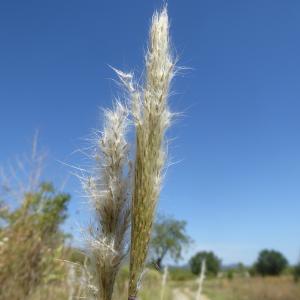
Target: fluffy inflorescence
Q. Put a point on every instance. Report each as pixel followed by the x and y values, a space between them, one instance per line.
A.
pixel 108 189
pixel 152 118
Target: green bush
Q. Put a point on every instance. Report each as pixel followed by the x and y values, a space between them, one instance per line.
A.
pixel 270 262
pixel 181 274
pixel 230 274
pixel 32 249
pixel 213 263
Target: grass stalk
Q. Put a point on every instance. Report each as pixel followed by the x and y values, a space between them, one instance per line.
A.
pixel 152 118
pixel 164 282
pixel 201 280
pixel 108 188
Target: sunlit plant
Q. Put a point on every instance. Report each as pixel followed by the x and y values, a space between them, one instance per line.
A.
pixel 117 193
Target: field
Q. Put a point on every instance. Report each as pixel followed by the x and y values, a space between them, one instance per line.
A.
pixel 256 288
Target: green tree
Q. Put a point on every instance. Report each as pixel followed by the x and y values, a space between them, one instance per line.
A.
pixel 213 263
pixel 270 262
pixel 169 239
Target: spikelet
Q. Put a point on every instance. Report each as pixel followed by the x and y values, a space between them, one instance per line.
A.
pixel 151 116
pixel 108 190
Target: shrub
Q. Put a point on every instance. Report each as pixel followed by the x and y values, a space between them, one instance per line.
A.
pixel 230 274
pixel 270 262
pixel 31 243
pixel 213 263
pixel 181 274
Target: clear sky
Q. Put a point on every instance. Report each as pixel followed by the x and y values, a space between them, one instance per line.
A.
pixel 237 145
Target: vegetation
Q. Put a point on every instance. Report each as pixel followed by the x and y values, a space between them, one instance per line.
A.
pixel 109 184
pixel 169 239
pixel 31 242
pixel 238 270
pixel 151 118
pixel 108 190
pixel 37 264
pixel 73 290
pixel 181 274
pixel 213 263
pixel 296 272
pixel 270 262
pixel 255 288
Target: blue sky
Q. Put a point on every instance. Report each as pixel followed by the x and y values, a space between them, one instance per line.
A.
pixel 237 144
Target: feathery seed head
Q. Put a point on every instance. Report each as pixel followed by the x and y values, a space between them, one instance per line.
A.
pixel 152 118
pixel 108 189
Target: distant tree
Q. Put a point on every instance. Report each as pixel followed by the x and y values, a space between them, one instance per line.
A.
pixel 270 262
pixel 213 263
pixel 169 239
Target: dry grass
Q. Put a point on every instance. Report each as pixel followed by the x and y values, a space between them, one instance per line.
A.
pixel 61 290
pixel 26 259
pixel 150 288
pixel 31 244
pixel 108 190
pixel 257 288
pixel 110 186
pixel 151 118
